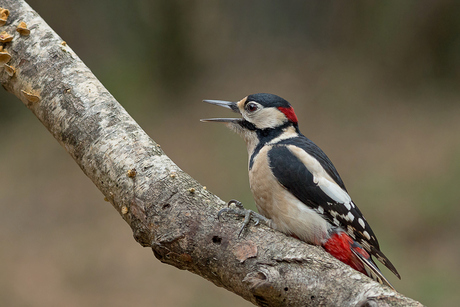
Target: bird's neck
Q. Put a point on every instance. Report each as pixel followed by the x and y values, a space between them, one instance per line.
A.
pixel 268 137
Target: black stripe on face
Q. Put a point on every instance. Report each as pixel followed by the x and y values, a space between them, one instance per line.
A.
pixel 265 136
pixel 247 125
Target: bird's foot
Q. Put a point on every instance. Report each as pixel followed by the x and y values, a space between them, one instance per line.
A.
pixel 247 214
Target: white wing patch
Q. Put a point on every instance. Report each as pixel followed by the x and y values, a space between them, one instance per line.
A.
pixel 322 178
pixel 331 189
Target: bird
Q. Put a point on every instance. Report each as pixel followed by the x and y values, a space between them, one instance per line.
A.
pixel 296 188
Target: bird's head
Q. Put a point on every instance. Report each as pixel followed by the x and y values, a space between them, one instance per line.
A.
pixel 260 113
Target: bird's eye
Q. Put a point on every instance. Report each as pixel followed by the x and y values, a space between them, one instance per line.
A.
pixel 251 107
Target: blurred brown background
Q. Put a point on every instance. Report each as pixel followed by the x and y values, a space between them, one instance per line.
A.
pixel 375 84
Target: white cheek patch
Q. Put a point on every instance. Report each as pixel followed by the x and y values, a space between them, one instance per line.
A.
pixel 265 117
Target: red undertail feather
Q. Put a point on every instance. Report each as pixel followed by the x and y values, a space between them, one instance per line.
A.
pixel 290 114
pixel 340 245
pixel 344 248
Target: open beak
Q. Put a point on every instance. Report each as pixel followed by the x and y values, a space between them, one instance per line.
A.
pixel 227 104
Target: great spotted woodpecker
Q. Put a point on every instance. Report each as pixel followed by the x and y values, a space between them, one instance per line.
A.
pixel 297 188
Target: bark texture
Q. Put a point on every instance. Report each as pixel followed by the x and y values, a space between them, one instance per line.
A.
pixel 167 210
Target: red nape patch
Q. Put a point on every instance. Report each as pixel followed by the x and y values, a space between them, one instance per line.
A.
pixel 340 245
pixel 289 112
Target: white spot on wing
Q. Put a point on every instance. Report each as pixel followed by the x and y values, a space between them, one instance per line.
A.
pixel 350 217
pixel 363 225
pixel 366 234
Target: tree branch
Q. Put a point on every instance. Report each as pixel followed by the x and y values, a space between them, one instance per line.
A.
pixel 167 210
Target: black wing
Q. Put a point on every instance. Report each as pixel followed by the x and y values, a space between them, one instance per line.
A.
pixel 312 149
pixel 293 175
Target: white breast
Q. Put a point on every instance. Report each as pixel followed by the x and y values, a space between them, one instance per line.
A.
pixel 288 214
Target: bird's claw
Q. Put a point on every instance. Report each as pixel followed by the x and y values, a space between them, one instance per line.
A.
pixel 236 202
pixel 241 211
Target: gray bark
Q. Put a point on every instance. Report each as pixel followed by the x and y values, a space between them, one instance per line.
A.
pixel 167 210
